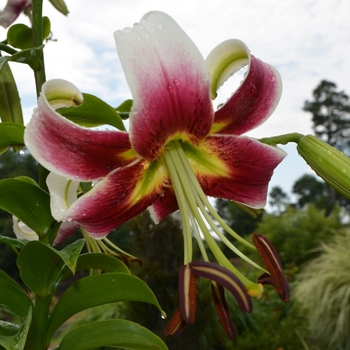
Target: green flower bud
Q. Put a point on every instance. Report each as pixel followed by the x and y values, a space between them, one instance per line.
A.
pixel 329 163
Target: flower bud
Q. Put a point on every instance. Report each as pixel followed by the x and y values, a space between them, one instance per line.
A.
pixel 329 163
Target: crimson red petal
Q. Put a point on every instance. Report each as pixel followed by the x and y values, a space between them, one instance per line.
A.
pixel 169 83
pixel 249 167
pixel 252 103
pixel 112 201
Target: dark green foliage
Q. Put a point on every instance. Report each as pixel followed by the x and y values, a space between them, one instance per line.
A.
pixel 310 190
pixel 295 233
pixel 330 111
pixel 238 220
pixel 278 199
pixel 160 247
pixel 13 164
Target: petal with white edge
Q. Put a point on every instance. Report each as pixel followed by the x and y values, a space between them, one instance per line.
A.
pixel 68 149
pixel 169 83
pixel 257 96
pixel 22 231
pixel 12 10
pixel 63 193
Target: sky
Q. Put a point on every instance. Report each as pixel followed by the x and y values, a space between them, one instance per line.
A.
pixel 306 41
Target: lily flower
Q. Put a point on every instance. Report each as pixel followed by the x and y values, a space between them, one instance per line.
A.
pixel 178 150
pixel 12 10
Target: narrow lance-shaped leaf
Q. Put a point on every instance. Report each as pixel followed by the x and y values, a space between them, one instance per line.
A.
pixel 97 261
pixel 28 56
pixel 40 268
pixel 116 333
pixel 28 203
pixel 10 103
pixel 11 135
pixel 98 290
pixel 93 112
pixel 13 297
pixel 18 340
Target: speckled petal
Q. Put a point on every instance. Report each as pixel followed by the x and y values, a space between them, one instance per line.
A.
pixel 257 96
pixel 68 149
pixel 118 197
pixel 237 168
pixel 169 83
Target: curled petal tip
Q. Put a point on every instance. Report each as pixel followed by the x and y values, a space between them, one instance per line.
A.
pixel 272 261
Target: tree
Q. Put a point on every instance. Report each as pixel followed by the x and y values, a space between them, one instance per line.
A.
pixel 240 221
pixel 278 199
pixel 295 233
pixel 330 111
pixel 309 190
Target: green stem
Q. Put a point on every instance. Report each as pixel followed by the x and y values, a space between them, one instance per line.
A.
pixel 37 40
pixel 8 49
pixel 39 75
pixel 282 139
pixel 41 314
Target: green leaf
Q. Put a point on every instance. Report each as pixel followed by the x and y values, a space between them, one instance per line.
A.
pixel 10 103
pixel 41 265
pixel 27 56
pixel 70 254
pixel 40 268
pixel 13 242
pixel 116 333
pixel 11 135
pixel 20 36
pixel 61 6
pixel 46 27
pixel 8 329
pixel 98 290
pixel 97 261
pixel 93 112
pixel 28 203
pixel 124 109
pixel 18 340
pixel 13 297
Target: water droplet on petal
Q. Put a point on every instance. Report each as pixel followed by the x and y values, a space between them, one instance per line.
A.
pixel 170 89
pixel 176 82
pixel 145 110
pixel 163 315
pixel 252 89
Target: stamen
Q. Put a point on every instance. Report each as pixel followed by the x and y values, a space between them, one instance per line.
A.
pixel 186 196
pixel 182 203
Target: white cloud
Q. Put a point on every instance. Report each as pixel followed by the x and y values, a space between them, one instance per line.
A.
pixel 306 40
